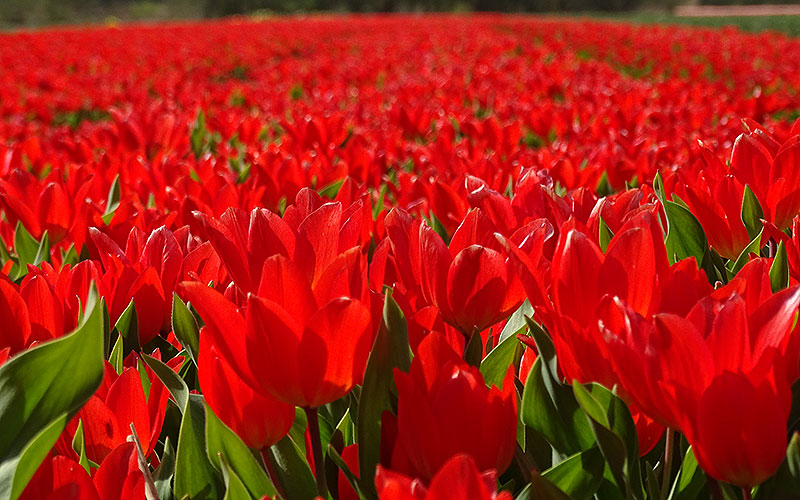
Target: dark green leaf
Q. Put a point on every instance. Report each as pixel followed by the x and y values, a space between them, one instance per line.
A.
pixel 494 366
pixel 194 474
pixel 222 441
pixel 127 326
pixel 549 407
pixel 605 235
pixel 685 236
pixel 34 453
pixel 292 470
pixel 580 475
pixel 165 472
pixel 36 394
pixel 390 350
pixel 751 213
pixel 173 382
pixel 234 487
pixel 185 327
pixel 516 323
pixel 753 247
pixel 779 271
pixel 616 435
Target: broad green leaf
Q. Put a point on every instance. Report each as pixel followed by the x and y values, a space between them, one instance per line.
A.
pixel 779 271
pixel 548 406
pixel 79 446
pixel 116 357
pixel 685 236
pixel 605 235
pixel 751 213
pixel 35 453
pixel 516 323
pixel 580 475
pixel 194 474
pixel 390 350
pixel 690 480
pixel 165 472
pixel 43 250
pixel 36 393
pixel 234 487
pixel 753 247
pixel 173 382
pixel 221 441
pixel 185 327
pixel 542 489
pixel 494 366
pixel 337 459
pixel 112 200
pixel 615 432
pixel 127 326
pixel 292 470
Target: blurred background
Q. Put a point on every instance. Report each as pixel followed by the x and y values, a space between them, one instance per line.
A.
pixel 33 13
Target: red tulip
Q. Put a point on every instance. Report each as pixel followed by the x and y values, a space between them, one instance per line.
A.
pixel 60 478
pixel 260 421
pixel 719 373
pixel 433 400
pixel 458 479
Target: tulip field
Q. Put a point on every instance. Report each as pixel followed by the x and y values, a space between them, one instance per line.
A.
pixel 433 257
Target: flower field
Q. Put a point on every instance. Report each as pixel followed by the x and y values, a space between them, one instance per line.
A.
pixel 399 258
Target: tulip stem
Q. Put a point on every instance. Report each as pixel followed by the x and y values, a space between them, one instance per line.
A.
pixel 746 494
pixel 272 472
pixel 670 438
pixel 316 447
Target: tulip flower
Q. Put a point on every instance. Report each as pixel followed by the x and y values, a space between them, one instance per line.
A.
pixel 60 478
pixel 260 421
pixel 458 479
pixel 433 400
pixel 718 373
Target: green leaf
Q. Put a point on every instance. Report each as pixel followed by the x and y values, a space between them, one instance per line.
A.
pixel 605 235
pixel 173 382
pixel 43 250
pixel 36 393
pixel 390 350
pixel 79 445
pixel 690 480
pixel 516 323
pixel 292 470
pixel 753 247
pixel 331 189
pixel 185 327
pixel 549 407
pixel 751 213
pixel 112 200
pixel 615 432
pixel 222 442
pixel 580 475
pixel 116 358
pixel 194 474
pixel 685 236
pixel 127 326
pixel 494 366
pixel 779 271
pixel 35 453
pixel 234 488
pixel 165 472
pixel 542 489
pixel 348 474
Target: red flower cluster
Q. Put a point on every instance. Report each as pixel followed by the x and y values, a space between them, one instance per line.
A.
pixel 358 218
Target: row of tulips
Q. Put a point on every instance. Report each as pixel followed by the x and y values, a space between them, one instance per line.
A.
pixel 399 258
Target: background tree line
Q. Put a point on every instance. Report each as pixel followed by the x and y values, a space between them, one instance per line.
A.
pixel 38 12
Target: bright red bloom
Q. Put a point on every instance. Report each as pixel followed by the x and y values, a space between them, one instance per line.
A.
pixel 259 420
pixel 771 170
pixel 720 373
pixel 60 478
pixel 433 400
pixel 458 479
